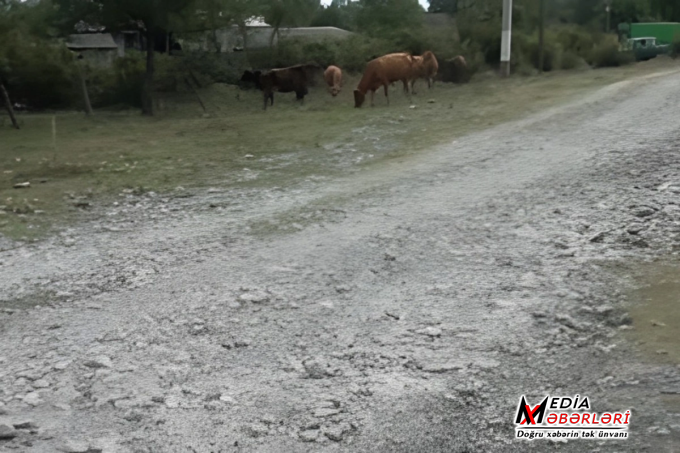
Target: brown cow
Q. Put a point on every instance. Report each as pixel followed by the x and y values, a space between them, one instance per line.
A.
pixel 285 80
pixel 381 72
pixel 333 77
pixel 426 67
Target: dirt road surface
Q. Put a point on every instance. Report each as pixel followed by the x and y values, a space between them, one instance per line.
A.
pixel 399 309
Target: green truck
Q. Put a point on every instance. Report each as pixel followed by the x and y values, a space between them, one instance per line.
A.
pixel 664 32
pixel 648 39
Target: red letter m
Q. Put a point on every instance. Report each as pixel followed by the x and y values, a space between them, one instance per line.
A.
pixel 527 414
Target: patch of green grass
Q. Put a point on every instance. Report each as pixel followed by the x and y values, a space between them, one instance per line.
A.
pixel 99 156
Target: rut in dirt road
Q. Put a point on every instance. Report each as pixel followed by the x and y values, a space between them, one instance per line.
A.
pixel 443 288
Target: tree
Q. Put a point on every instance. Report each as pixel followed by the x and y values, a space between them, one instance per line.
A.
pixel 668 10
pixel 387 17
pixel 338 14
pixel 290 13
pixel 153 16
pixel 629 11
pixel 28 59
pixel 443 6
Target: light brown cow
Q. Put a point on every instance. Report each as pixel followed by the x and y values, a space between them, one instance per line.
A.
pixel 425 67
pixel 381 72
pixel 333 77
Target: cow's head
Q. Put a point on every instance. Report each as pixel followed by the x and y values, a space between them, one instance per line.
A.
pixel 359 98
pixel 335 90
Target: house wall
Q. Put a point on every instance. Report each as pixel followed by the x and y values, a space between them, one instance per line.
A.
pixel 99 57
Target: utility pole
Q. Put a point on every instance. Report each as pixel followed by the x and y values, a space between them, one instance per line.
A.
pixel 608 9
pixel 506 38
pixel 541 34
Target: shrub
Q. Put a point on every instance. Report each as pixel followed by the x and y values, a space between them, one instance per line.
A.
pixel 607 53
pixel 120 84
pixel 38 73
pixel 571 60
pixel 675 47
pixel 575 40
pixel 486 37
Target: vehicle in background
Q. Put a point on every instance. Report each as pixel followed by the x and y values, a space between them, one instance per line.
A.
pixel 645 48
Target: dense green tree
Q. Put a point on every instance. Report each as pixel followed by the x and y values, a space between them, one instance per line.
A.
pixel 443 6
pixel 289 13
pixel 629 11
pixel 33 67
pixel 668 10
pixel 215 14
pixel 154 16
pixel 387 17
pixel 338 14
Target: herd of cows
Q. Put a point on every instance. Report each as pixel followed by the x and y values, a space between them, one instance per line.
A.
pixel 380 72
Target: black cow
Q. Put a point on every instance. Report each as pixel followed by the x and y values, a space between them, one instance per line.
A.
pixel 294 79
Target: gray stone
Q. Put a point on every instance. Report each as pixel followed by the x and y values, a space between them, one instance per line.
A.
pixel 7 432
pixel 41 384
pixel 25 424
pixel 32 399
pixel 325 412
pixel 566 320
pixel 604 309
pixel 442 367
pixel 316 369
pixel 635 228
pixel 99 362
pixel 256 430
pixel 74 446
pixel 256 297
pixel 336 432
pixel 643 211
pixel 430 331
pixel 599 237
pixel 310 435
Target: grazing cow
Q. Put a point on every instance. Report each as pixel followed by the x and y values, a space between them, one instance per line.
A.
pixel 425 67
pixel 285 80
pixel 333 77
pixel 383 71
pixel 251 79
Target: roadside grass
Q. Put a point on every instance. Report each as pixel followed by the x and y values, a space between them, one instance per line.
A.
pixel 113 151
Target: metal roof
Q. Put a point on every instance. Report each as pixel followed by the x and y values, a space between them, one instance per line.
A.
pixel 91 41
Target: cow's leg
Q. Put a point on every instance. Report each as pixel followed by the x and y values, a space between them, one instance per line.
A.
pixel 372 98
pixel 271 99
pixel 413 86
pixel 387 96
pixel 266 98
pixel 408 94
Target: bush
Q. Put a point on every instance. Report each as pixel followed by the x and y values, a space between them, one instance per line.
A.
pixel 120 84
pixel 675 47
pixel 571 60
pixel 485 37
pixel 575 40
pixel 38 73
pixel 607 54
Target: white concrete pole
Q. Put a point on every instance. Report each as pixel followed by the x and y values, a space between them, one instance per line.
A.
pixel 506 38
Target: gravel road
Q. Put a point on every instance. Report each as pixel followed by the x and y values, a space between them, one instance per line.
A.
pixel 399 309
